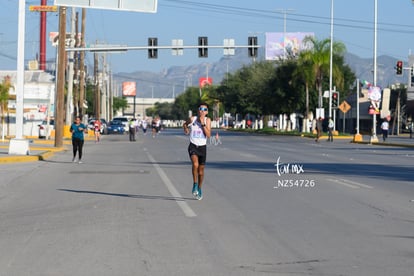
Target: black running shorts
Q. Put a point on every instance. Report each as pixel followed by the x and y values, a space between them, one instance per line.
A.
pixel 200 151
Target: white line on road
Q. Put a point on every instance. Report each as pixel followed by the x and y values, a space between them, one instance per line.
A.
pixel 350 184
pixel 357 183
pixel 182 204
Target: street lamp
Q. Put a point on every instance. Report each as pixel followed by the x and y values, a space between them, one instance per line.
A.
pixel 331 61
pixel 374 137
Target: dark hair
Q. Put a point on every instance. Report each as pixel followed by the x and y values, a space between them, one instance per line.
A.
pixel 203 103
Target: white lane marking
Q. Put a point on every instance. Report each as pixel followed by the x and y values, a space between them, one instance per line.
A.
pixel 358 184
pixel 247 155
pixel 350 184
pixel 343 183
pixel 182 204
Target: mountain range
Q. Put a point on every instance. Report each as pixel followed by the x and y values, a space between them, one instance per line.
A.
pixel 174 80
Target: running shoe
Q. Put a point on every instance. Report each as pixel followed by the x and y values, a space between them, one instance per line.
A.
pixel 195 189
pixel 74 159
pixel 200 194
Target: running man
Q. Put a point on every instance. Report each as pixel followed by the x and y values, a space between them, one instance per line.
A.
pixel 199 129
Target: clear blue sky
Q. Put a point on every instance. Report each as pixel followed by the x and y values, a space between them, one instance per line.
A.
pixel 218 19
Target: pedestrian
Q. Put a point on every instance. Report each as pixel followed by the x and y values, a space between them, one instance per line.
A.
pixel 384 127
pixel 97 130
pixel 199 130
pixel 318 129
pixel 330 129
pixel 131 130
pixel 144 125
pixel 411 129
pixel 78 129
pixel 156 126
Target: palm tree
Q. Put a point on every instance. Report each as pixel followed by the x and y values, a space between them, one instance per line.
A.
pixel 4 99
pixel 318 60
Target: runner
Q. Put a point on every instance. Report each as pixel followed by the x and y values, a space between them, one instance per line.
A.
pixel 199 129
pixel 97 130
pixel 78 129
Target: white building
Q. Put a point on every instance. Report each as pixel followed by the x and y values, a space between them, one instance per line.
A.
pixel 38 101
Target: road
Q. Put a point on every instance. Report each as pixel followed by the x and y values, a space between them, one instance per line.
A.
pixel 272 205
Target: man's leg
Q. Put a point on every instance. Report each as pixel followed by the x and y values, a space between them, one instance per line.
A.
pixel 195 167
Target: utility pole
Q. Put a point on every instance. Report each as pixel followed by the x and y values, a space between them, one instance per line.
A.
pixel 284 11
pixel 82 73
pixel 69 101
pixel 97 88
pixel 76 72
pixel 59 107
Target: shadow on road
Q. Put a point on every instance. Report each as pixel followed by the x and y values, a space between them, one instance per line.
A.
pixel 128 195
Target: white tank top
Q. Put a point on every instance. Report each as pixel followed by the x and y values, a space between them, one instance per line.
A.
pixel 197 136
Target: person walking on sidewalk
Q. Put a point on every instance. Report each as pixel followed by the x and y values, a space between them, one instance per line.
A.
pixel 199 130
pixel 78 129
pixel 318 129
pixel 330 129
pixel 384 127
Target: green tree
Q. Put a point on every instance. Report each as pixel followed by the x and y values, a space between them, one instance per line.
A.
pixel 4 98
pixel 318 57
pixel 118 104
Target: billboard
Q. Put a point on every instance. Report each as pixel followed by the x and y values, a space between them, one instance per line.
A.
pixel 279 43
pixel 129 89
pixel 121 5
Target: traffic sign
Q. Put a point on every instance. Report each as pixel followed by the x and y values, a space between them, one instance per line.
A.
pixel 43 8
pixel 344 107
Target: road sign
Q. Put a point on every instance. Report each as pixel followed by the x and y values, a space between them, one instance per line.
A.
pixel 43 8
pixel 136 6
pixel 344 107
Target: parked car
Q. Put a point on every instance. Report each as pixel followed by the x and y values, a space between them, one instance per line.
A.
pixel 115 127
pixel 104 125
pixel 43 128
pixel 124 121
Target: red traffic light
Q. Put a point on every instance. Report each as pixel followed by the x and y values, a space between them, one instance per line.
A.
pixel 399 67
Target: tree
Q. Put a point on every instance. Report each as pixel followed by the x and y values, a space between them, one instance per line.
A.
pixel 119 103
pixel 4 99
pixel 318 58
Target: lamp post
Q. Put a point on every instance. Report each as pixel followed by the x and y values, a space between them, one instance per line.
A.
pixel 284 11
pixel 331 61
pixel 374 137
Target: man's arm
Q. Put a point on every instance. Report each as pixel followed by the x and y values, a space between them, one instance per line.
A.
pixel 185 126
pixel 207 127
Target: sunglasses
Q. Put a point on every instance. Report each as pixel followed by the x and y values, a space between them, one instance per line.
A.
pixel 203 108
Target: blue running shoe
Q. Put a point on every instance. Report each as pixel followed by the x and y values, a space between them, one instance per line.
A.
pixel 195 189
pixel 200 194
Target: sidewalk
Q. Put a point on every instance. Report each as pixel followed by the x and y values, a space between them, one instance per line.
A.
pixel 40 149
pixel 403 140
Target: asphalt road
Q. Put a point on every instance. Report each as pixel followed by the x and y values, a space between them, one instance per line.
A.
pixel 271 206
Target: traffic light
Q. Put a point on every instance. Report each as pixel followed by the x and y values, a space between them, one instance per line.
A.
pixel 203 43
pixel 335 99
pixel 412 76
pixel 399 67
pixel 252 42
pixel 152 52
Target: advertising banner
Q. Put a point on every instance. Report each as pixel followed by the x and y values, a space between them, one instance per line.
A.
pixel 279 44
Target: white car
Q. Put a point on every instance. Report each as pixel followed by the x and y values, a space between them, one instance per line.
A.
pixel 43 128
pixel 124 120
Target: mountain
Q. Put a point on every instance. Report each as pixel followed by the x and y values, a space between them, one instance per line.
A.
pixel 174 80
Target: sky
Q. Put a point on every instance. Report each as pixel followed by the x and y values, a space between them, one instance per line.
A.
pixel 218 20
